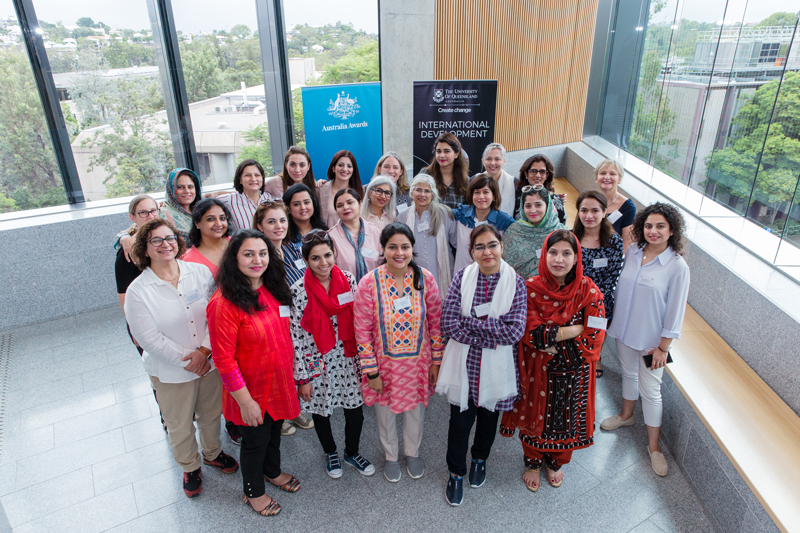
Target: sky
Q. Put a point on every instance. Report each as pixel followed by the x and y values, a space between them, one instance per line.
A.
pixel 204 15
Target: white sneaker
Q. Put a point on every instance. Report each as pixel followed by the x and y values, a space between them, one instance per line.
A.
pixel 287 428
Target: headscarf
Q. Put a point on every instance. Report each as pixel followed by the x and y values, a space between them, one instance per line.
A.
pixel 523 239
pixel 322 305
pixel 361 265
pixel 173 209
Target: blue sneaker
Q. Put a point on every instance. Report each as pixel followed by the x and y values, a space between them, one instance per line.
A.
pixel 363 466
pixel 477 474
pixel 333 466
pixel 455 491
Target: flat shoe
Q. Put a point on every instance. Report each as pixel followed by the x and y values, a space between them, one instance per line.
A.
pixel 293 485
pixel 658 462
pixel 533 487
pixel 613 422
pixel 271 509
pixel 551 478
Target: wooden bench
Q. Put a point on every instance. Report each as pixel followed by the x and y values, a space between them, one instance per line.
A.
pixel 759 432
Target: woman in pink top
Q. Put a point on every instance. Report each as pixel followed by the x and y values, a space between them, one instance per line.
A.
pixel 357 242
pixel 210 232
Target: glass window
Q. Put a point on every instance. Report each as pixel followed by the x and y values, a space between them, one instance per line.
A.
pixel 221 59
pixel 104 67
pixel 29 174
pixel 328 46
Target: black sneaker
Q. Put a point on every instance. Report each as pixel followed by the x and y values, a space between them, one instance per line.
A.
pixel 192 483
pixel 455 491
pixel 477 474
pixel 233 433
pixel 224 462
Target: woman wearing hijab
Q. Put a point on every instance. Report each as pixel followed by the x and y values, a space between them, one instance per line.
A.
pixel 524 238
pixel 563 338
pixel 182 193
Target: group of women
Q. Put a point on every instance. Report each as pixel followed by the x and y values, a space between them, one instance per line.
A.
pixel 297 296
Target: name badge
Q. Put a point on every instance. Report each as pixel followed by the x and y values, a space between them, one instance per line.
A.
pixel 481 223
pixel 192 296
pixel 402 303
pixel 600 262
pixel 646 281
pixel 423 226
pixel 614 216
pixel 483 309
pixel 539 253
pixel 285 311
pixel 299 263
pixel 368 253
pixel 345 298
pixel 596 322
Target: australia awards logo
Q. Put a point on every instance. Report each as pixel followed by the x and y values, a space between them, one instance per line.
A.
pixel 438 95
pixel 344 107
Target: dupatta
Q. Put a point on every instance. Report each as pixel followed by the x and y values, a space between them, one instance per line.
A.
pixel 523 239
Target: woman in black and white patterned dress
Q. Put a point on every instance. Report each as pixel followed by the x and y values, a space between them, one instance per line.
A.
pixel 325 353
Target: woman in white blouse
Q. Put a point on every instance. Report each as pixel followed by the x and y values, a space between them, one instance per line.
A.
pixel 650 302
pixel 166 310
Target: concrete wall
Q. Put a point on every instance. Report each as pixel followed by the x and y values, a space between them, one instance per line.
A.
pixel 407 30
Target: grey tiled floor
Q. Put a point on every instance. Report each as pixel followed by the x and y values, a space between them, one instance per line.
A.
pixel 83 450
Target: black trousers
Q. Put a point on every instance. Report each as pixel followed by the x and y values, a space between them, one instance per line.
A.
pixel 458 436
pixel 353 422
pixel 260 455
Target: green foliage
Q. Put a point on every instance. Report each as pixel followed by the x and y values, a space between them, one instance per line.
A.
pixel 259 149
pixel 85 22
pixel 82 32
pixel 240 31
pixel 359 65
pixel 28 169
pixel 781 18
pixel 121 54
pixel 201 72
pixel 73 128
pixel 299 123
pixel 7 204
pixel 336 39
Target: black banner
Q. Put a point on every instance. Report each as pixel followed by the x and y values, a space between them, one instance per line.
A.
pixel 464 107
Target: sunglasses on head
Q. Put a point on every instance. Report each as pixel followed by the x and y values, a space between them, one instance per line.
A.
pixel 529 188
pixel 316 235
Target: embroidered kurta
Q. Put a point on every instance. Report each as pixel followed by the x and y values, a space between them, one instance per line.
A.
pixel 334 377
pixel 483 332
pixel 399 343
pixel 253 350
pixel 605 277
pixel 555 410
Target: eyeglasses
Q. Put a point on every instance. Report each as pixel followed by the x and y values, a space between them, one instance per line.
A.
pixel 534 171
pixel 152 212
pixel 157 241
pixel 492 246
pixel 382 192
pixel 529 188
pixel 316 235
pixel 422 191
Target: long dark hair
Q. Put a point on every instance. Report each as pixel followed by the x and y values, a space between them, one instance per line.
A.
pixel 235 286
pixel 286 179
pixel 605 226
pixel 548 165
pixel 293 235
pixel 199 211
pixel 570 238
pixel 675 220
pixel 237 177
pixel 355 178
pixel 390 231
pixel 460 168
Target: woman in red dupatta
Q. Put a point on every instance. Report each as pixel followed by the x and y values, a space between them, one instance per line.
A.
pixel 557 357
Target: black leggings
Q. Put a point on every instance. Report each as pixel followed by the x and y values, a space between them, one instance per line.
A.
pixel 458 436
pixel 260 455
pixel 353 422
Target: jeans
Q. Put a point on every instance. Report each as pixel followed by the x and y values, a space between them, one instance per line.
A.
pixel 458 436
pixel 353 421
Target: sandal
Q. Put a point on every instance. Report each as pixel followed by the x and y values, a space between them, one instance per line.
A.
pixel 551 479
pixel 271 509
pixel 293 485
pixel 533 487
pixel 598 372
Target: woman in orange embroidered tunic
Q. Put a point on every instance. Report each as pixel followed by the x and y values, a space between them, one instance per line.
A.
pixel 563 337
pixel 396 313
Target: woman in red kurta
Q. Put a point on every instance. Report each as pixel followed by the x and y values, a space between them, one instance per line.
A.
pixel 248 320
pixel 557 357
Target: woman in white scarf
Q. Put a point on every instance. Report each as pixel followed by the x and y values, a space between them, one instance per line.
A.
pixel 432 223
pixel 484 316
pixel 494 157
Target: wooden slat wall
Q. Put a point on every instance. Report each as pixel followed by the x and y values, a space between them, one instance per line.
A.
pixel 538 50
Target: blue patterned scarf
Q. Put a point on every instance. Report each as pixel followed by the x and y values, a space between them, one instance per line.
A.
pixel 361 265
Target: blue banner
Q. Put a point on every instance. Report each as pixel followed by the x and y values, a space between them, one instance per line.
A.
pixel 343 117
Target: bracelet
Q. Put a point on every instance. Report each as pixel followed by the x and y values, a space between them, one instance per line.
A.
pixel 376 375
pixel 560 332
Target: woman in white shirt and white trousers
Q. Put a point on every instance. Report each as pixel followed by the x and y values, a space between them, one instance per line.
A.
pixel 650 300
pixel 166 310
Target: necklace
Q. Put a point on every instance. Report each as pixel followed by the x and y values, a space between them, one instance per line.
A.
pixel 614 200
pixel 173 280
